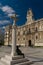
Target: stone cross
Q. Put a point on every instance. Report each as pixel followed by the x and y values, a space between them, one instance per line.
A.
pixel 13 53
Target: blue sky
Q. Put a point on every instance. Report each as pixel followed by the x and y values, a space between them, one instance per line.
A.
pixel 8 7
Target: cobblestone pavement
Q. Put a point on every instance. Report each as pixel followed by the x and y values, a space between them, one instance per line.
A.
pixel 33 54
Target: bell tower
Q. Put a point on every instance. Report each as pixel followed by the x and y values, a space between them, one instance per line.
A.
pixel 29 16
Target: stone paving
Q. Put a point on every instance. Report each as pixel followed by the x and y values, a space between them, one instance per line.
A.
pixel 4 50
pixel 33 54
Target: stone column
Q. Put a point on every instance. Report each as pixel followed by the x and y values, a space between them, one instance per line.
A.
pixel 13 53
pixel 13 40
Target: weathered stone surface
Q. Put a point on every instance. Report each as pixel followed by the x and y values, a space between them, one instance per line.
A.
pixel 8 57
pixel 18 61
pixel 13 61
pixel 8 60
pixel 3 63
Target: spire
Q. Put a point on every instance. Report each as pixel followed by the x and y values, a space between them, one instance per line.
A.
pixel 29 16
pixel 29 12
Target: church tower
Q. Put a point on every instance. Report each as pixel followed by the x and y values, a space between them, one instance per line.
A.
pixel 29 17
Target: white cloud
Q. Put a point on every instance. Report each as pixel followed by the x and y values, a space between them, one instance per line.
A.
pixel 8 10
pixel 3 27
pixel 4 22
pixel 10 14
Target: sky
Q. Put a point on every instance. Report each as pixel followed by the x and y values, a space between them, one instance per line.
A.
pixel 20 7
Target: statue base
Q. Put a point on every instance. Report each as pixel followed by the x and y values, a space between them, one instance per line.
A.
pixel 16 60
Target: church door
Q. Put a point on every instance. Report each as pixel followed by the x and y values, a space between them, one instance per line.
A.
pixel 29 42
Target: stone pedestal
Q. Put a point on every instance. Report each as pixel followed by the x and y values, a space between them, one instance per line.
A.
pixel 11 60
pixel 16 60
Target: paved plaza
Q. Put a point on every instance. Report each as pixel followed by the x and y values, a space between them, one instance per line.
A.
pixel 33 54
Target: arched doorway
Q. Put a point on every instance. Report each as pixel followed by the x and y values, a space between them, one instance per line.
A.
pixel 29 43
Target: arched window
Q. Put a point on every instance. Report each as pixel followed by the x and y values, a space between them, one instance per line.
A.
pixel 29 30
pixel 36 37
pixel 36 29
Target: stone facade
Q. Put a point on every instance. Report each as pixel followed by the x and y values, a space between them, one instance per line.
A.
pixel 29 34
pixel 8 35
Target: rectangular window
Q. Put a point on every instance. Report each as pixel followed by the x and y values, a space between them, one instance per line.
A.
pixel 18 33
pixel 23 32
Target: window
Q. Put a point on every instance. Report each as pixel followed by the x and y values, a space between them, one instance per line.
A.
pixel 23 38
pixel 23 32
pixel 36 29
pixel 29 30
pixel 18 33
pixel 6 34
pixel 18 39
pixel 36 37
